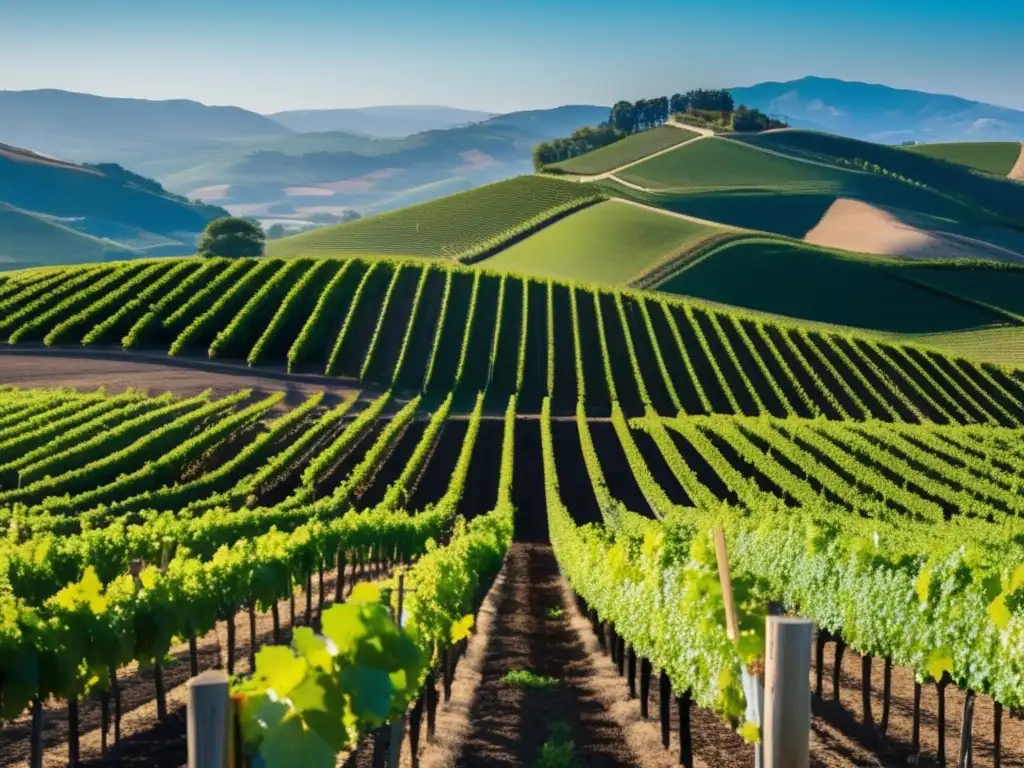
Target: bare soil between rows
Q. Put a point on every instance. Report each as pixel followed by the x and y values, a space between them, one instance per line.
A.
pixel 118 371
pixel 509 725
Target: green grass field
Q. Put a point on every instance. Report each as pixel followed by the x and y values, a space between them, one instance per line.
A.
pixel 810 283
pixel 628 150
pixel 608 243
pixel 994 157
pixel 441 228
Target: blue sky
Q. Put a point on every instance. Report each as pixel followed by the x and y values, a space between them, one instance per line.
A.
pixel 500 55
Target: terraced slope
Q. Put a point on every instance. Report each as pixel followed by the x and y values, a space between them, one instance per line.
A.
pixel 625 151
pixel 436 329
pixel 611 243
pixel 447 227
pixel 993 157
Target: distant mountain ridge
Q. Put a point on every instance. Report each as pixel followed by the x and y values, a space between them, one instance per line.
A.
pixel 385 122
pixel 68 124
pixel 880 113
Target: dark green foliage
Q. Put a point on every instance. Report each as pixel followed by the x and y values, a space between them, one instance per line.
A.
pixel 233 238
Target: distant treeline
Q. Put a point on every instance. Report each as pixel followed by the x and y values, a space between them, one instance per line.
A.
pixel 629 117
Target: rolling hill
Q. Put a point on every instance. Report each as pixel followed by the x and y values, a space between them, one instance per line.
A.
pixel 997 158
pixel 448 227
pixel 56 212
pixel 611 243
pixel 787 222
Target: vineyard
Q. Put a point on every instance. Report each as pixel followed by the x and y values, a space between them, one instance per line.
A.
pixel 625 151
pixel 871 487
pixel 428 328
pixel 458 226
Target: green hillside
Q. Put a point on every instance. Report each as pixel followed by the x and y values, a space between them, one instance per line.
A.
pixel 990 197
pixel 611 242
pixel 734 183
pixel 29 239
pixel 721 164
pixel 827 286
pixel 993 157
pixel 446 227
pixel 624 151
pixel 1002 345
pixel 1003 289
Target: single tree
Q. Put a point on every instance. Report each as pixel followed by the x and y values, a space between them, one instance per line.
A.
pixel 232 237
pixel 275 232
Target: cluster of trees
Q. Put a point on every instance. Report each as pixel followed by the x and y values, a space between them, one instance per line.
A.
pixel 582 140
pixel 747 120
pixel 702 99
pixel 629 117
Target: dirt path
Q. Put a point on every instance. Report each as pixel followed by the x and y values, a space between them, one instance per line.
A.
pixel 118 370
pixel 530 632
pixel 1017 172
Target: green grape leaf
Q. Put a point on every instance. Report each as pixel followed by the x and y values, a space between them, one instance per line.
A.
pixel 259 713
pixel 462 628
pixel 365 593
pixel 279 668
pixel 370 690
pixel 292 744
pixel 313 648
pixel 323 707
pixel 1016 579
pixel 999 613
pixel 749 732
pixel 923 583
pixel 939 661
pixel 345 627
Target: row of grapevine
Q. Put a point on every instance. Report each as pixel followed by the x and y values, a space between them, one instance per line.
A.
pixel 812 558
pixel 436 600
pixel 371 320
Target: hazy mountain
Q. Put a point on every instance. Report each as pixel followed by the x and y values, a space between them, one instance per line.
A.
pixel 59 212
pixel 555 122
pixel 81 126
pixel 381 122
pixel 310 173
pixel 880 113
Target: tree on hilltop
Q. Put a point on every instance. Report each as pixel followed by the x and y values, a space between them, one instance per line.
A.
pixel 232 237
